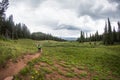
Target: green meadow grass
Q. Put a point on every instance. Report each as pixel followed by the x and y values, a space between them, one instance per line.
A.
pixel 12 49
pixel 101 62
pixel 97 61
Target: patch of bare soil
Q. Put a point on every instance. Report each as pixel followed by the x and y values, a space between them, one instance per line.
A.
pixel 56 76
pixel 13 68
pixel 61 72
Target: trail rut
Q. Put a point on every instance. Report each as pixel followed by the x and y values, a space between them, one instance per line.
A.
pixel 13 68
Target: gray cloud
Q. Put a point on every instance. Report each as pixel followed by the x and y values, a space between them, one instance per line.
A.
pixel 115 1
pixel 97 9
pixel 118 1
pixel 32 3
pixel 72 27
pixel 81 7
pixel 70 16
pixel 68 27
pixel 115 14
pixel 35 3
pixel 99 13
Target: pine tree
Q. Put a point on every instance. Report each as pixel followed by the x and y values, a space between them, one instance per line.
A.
pixel 114 35
pixel 19 30
pixel 90 38
pixel 11 26
pixel 82 37
pixel 118 33
pixel 96 36
pixel 3 7
pixel 25 31
pixel 105 35
pixel 110 36
pixel 86 39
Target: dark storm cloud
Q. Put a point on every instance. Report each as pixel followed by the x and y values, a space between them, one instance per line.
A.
pixel 67 27
pixel 74 28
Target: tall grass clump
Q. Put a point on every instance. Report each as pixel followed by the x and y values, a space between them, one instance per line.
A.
pixel 5 54
pixel 12 49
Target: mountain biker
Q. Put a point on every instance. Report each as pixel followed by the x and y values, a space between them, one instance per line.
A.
pixel 39 48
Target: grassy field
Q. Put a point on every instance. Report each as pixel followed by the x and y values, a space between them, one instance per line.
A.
pixel 67 60
pixel 71 60
pixel 12 49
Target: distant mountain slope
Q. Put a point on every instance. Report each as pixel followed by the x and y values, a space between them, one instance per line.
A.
pixel 69 38
pixel 43 36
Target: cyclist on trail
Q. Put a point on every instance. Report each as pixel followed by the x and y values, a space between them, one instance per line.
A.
pixel 39 48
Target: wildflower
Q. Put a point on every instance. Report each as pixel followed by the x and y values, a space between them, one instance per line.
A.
pixel 32 77
pixel 36 72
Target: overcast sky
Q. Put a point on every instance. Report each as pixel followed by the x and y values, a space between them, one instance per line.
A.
pixel 65 18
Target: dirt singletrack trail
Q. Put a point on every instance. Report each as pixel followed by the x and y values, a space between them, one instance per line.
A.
pixel 13 68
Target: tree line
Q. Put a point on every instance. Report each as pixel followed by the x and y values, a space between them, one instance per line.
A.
pixel 109 37
pixel 92 37
pixel 43 36
pixel 10 30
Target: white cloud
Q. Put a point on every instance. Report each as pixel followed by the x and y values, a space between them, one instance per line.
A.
pixel 48 15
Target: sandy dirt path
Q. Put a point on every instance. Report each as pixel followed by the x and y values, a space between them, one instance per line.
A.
pixel 13 68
